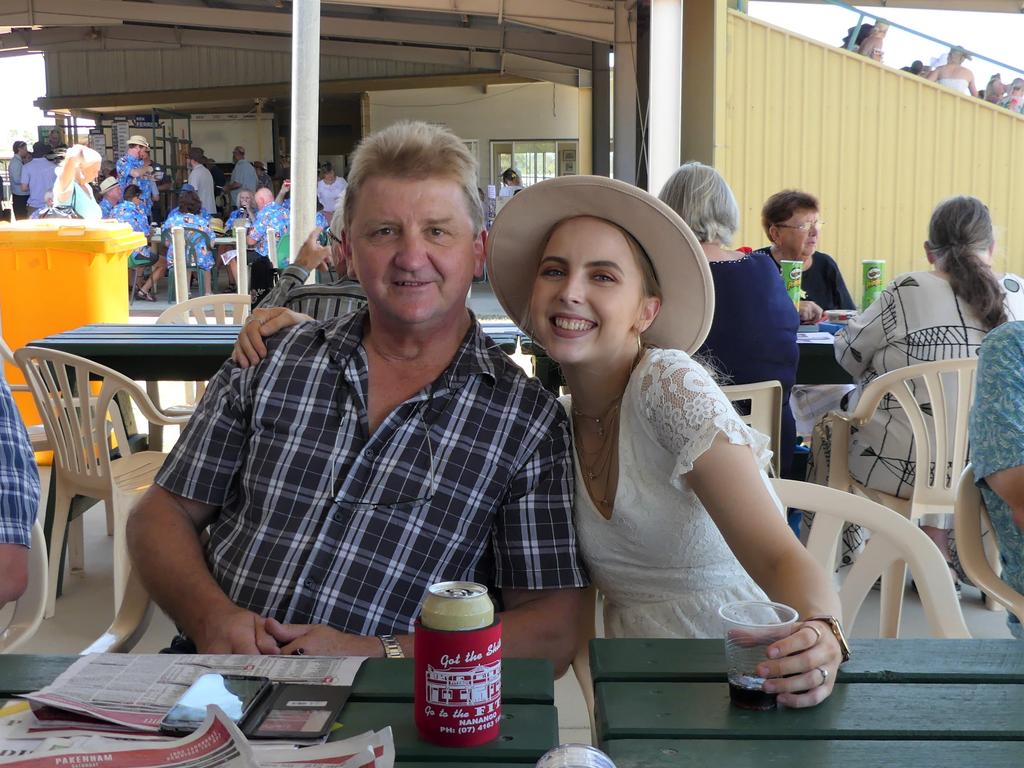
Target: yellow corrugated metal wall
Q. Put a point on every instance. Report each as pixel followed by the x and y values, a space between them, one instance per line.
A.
pixel 877 146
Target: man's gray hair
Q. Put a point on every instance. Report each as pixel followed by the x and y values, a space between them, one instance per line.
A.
pixel 700 195
pixel 415 150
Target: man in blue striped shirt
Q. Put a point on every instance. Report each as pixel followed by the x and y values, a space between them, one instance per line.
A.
pixel 19 498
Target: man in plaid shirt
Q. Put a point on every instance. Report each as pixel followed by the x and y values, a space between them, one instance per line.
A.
pixel 19 497
pixel 372 455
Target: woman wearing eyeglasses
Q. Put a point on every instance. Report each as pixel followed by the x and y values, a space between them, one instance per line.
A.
pixel 792 221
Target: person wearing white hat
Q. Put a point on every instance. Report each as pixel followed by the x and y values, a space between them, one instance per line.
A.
pixel 672 499
pixel 110 195
pixel 132 168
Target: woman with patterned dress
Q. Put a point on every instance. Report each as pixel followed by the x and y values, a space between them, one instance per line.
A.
pixel 189 214
pixel 921 317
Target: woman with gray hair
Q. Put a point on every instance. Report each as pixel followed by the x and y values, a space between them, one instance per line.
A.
pixel 80 167
pixel 753 334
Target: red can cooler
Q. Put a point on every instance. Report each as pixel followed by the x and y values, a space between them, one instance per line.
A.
pixel 458 685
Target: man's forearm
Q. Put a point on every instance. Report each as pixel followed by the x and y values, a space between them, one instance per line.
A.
pixel 165 550
pixel 541 624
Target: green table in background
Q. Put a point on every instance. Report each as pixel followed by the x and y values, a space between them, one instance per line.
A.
pixel 906 703
pixel 382 696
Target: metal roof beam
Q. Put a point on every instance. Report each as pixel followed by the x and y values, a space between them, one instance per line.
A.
pixel 104 12
pixel 592 20
pixel 147 100
pixel 570 52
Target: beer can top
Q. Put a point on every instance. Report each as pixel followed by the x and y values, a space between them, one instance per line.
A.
pixel 458 590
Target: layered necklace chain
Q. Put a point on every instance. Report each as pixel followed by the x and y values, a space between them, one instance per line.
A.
pixel 599 463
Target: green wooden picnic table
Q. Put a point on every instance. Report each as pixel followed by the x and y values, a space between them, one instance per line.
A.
pixel 195 352
pixel 897 702
pixel 382 696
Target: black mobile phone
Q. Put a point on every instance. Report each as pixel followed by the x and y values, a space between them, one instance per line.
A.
pixel 235 694
pixel 296 711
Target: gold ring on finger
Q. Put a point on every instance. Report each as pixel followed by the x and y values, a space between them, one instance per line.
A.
pixel 816 631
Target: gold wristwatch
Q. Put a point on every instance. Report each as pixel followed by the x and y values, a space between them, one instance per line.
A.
pixel 392 649
pixel 837 630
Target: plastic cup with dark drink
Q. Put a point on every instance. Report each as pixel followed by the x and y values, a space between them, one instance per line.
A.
pixel 750 627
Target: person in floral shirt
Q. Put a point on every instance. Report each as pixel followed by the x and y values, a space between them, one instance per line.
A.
pixel 272 215
pixel 132 168
pixel 131 212
pixel 189 214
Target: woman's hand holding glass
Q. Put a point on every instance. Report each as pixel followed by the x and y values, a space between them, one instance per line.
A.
pixel 801 668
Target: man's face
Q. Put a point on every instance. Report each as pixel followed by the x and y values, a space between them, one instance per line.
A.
pixel 236 155
pixel 113 195
pixel 135 150
pixel 413 247
pixel 23 152
pixel 54 139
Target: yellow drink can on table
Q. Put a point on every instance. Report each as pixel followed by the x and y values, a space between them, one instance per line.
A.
pixel 874 281
pixel 792 272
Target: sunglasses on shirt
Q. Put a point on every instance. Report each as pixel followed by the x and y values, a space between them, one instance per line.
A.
pixel 326 236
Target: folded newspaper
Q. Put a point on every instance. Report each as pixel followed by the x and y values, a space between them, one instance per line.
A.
pixel 217 743
pixel 129 694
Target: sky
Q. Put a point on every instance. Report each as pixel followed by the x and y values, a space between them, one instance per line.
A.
pixel 997 36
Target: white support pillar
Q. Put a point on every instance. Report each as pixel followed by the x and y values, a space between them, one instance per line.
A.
pixel 624 96
pixel 305 119
pixel 242 260
pixel 180 266
pixel 664 128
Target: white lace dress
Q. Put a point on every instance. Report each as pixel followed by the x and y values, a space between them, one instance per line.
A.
pixel 660 561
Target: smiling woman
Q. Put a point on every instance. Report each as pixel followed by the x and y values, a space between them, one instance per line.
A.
pixel 673 509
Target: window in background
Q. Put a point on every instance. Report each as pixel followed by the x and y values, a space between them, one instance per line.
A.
pixel 535 160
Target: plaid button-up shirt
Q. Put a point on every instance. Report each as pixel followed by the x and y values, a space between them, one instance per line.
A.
pixel 321 522
pixel 19 479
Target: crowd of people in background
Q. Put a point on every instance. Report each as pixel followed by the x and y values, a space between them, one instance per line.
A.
pixel 868 40
pixel 136 191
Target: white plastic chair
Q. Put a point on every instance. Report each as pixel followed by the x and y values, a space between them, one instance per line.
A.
pixel 75 397
pixel 894 539
pixel 978 548
pixel 938 443
pixel 225 309
pixel 765 398
pixel 25 614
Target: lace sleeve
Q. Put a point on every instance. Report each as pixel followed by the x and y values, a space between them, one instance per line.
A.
pixel 686 410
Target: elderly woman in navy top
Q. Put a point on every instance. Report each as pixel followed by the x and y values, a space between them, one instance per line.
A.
pixel 753 334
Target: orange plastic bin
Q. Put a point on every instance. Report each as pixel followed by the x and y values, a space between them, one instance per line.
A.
pixel 59 274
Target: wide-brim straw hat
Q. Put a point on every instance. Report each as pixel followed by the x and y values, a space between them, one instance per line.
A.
pixel 107 184
pixel 519 231
pixel 217 225
pixel 140 140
